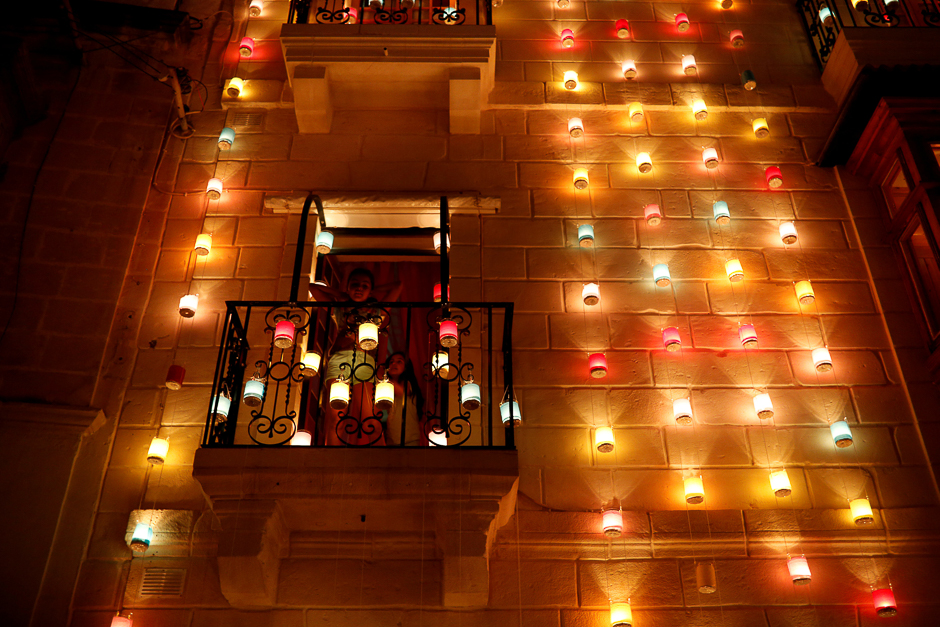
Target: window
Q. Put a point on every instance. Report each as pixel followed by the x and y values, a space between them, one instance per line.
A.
pixel 896 188
pixel 921 259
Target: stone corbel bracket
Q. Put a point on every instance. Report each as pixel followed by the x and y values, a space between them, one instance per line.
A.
pixel 264 496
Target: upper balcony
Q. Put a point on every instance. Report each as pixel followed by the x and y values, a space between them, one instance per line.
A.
pixel 389 54
pixel 868 50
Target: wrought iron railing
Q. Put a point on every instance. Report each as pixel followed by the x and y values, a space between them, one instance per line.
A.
pixel 415 12
pixel 825 19
pixel 313 370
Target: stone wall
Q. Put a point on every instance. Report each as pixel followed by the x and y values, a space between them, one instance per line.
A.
pixel 549 565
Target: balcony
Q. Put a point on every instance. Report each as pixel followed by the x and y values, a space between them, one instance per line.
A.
pixel 389 54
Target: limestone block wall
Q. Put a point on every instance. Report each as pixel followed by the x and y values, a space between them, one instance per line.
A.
pixel 551 565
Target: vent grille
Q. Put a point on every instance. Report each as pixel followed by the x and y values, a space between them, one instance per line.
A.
pixel 163 582
pixel 247 119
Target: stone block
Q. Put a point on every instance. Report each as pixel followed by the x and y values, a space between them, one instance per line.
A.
pixel 517 93
pixel 98 582
pixel 570 368
pixel 122 489
pixel 700 367
pixel 780 297
pixel 635 447
pixel 539 583
pixel 278 175
pixel 903 487
pixel 884 404
pixel 708 446
pixel 558 176
pixel 742 204
pixel 563 406
pixel 236 618
pixel 773 332
pixel 833 488
pixel 587 93
pixel 810 205
pixel 503 263
pixel 812 446
pixel 463 176
pixel 499 231
pixel 175 489
pixel 831 264
pixel 639 297
pixel 644 582
pixel 857 367
pixel 258 263
pixel 355 583
pixel 528 296
pixel 141 407
pixel 187 406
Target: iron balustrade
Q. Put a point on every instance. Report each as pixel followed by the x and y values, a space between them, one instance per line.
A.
pixel 825 19
pixel 414 12
pixel 294 396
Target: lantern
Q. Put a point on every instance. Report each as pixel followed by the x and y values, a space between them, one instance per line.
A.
pixel 301 438
pixel 621 615
pixel 636 111
pixel 221 406
pixel 141 538
pixel 324 242
pixel 203 244
pixel 509 412
pixel 235 87
pixel 748 80
pixel 682 411
pixel 226 138
pixel 721 211
pixel 571 80
pixel 284 334
pixel 368 336
pixel 644 163
pixel 580 178
pixel 822 359
pixel 575 127
pixel 763 406
pixel 734 270
pixel 585 235
pixel 253 396
pixel 623 29
pixel 841 433
pixel 694 490
pixel 384 393
pixel 604 439
pixel 437 437
pixel 861 511
pixel 121 621
pixel 436 239
pixel 804 292
pixel 563 4
pixel 748 335
pixel 598 365
pixel 799 570
pixel 652 214
pixel 214 189
pixel 774 177
pixel 339 394
pixel 188 305
pixel 682 22
pixel 310 364
pixel 860 5
pixel 726 4
pixel 591 294
pixel 156 454
pixel 761 130
pixel 661 275
pixel 705 578
pixel 440 364
pixel 780 483
pixel 825 15
pixel 688 65
pixel 567 38
pixel 885 605
pixel 246 47
pixel 788 233
pixel 470 395
pixel 254 9
pixel 671 340
pixel 174 377
pixel 629 69
pixel 612 519
pixel 710 157
pixel 699 110
pixel 448 333
pixel 437 292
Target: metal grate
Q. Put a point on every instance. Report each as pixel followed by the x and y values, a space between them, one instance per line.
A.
pixel 162 582
pixel 244 118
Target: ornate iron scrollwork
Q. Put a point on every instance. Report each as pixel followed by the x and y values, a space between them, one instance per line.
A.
pixel 339 16
pixel 397 16
pixel 446 16
pixel 931 12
